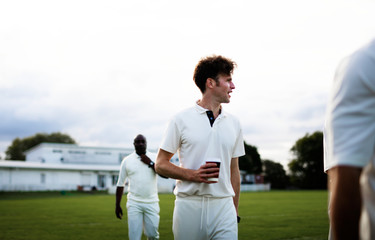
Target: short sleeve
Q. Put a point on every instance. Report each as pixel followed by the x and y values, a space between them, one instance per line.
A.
pixel 122 175
pixel 172 138
pixel 239 147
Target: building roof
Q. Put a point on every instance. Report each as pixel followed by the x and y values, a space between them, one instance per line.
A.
pixel 49 166
pixel 70 146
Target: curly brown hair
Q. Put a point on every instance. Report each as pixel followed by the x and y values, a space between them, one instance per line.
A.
pixel 211 67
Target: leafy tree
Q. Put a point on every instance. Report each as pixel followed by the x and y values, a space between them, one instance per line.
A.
pixel 16 150
pixel 251 162
pixel 307 167
pixel 275 174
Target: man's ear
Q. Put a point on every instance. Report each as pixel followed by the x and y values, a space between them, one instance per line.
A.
pixel 210 83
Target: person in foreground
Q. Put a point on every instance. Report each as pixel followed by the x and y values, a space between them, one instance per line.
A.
pixel 143 201
pixel 349 141
pixel 205 208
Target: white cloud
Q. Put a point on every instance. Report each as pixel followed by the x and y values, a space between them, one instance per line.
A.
pixel 105 71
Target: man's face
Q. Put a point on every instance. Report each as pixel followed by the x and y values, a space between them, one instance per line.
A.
pixel 140 144
pixel 224 88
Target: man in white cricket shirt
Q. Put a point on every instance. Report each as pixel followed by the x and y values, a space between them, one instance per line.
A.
pixel 142 199
pixel 350 147
pixel 205 208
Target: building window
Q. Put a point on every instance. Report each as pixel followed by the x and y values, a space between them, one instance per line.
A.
pixel 103 153
pixel 114 180
pixel 77 152
pixel 42 178
pixel 101 181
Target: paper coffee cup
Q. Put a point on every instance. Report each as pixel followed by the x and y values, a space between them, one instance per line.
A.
pixel 218 162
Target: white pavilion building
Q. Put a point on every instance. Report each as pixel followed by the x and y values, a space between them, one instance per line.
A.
pixel 56 166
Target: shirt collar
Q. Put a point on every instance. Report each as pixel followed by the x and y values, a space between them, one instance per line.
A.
pixel 202 110
pixel 140 156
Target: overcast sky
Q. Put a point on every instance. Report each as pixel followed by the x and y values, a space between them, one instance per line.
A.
pixel 103 71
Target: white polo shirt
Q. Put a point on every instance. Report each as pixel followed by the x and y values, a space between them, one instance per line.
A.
pixel 191 134
pixel 142 179
pixel 350 121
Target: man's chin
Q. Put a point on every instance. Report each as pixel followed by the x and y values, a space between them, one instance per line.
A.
pixel 140 152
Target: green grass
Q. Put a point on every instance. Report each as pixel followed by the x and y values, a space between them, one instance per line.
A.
pixel 73 215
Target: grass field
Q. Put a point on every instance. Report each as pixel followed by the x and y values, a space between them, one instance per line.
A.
pixel 73 215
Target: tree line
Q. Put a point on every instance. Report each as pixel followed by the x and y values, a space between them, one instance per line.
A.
pixel 305 169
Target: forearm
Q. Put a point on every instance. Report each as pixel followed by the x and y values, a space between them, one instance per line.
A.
pixel 164 167
pixel 345 202
pixel 236 183
pixel 119 193
pixel 170 170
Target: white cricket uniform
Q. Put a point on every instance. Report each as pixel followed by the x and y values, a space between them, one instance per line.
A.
pixel 142 198
pixel 349 137
pixel 191 134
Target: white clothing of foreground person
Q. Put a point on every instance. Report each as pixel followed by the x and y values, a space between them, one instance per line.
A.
pixel 350 147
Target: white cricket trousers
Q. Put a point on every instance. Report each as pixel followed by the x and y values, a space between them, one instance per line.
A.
pixel 143 216
pixel 203 218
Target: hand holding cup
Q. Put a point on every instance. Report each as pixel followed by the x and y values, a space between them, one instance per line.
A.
pixel 217 161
